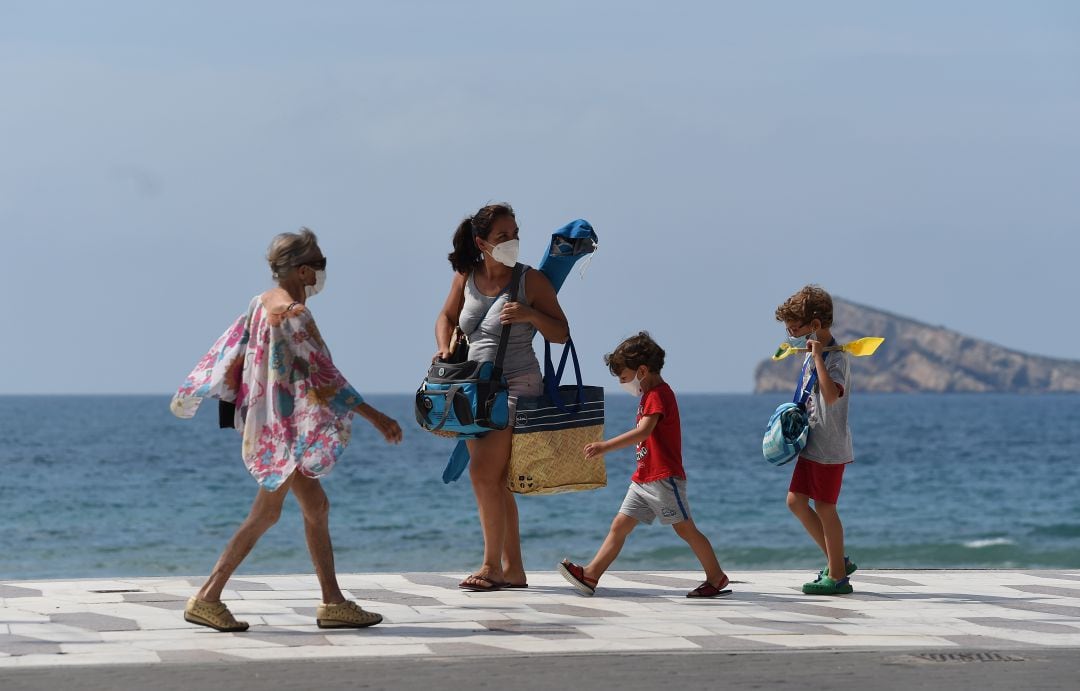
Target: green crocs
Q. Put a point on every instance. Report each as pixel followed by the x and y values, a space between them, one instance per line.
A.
pixel 849 566
pixel 827 586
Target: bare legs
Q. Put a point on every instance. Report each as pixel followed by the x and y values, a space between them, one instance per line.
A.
pixel 703 550
pixel 316 509
pixel 264 513
pixel 824 527
pixel 621 527
pixel 489 459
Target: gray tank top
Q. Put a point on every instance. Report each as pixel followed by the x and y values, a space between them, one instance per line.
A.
pixel 484 330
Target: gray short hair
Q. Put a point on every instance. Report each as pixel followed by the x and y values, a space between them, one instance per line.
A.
pixel 290 250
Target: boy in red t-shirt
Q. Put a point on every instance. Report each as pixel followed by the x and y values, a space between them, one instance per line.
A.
pixel 658 486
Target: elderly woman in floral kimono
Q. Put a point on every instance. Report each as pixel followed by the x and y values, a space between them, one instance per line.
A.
pixel 275 381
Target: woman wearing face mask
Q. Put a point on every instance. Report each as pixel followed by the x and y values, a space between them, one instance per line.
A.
pixel 276 383
pixel 484 256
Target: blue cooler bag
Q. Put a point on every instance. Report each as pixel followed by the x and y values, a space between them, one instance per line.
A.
pixel 465 400
pixel 462 400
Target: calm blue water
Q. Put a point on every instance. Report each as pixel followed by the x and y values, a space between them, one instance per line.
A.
pixel 111 486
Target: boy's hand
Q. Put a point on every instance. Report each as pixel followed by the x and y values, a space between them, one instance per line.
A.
pixel 595 449
pixel 816 348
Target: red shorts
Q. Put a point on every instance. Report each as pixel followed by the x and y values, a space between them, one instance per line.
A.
pixel 819 481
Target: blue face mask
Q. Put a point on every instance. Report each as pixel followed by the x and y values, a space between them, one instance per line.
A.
pixel 800 341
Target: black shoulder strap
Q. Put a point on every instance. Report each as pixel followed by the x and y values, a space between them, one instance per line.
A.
pixel 504 337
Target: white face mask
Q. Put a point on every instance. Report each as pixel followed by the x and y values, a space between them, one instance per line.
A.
pixel 632 387
pixel 320 282
pixel 506 253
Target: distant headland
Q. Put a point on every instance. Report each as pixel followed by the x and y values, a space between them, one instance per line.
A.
pixel 917 357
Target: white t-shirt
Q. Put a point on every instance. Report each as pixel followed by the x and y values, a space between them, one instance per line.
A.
pixel 829 439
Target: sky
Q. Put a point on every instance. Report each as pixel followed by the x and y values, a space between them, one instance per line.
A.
pixel 919 157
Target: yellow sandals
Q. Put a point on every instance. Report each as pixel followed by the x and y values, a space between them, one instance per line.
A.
pixel 345 615
pixel 213 614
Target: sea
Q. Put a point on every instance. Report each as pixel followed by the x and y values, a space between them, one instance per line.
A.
pixel 109 486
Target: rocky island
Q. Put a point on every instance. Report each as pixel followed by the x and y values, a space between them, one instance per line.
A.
pixel 918 357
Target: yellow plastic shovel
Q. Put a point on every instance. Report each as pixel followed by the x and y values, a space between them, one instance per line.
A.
pixel 860 348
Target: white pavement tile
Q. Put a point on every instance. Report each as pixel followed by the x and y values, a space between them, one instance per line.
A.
pixel 628 615
pixel 38 660
pixel 199 644
pixel 22 616
pixel 842 641
pixel 57 633
pixel 327 651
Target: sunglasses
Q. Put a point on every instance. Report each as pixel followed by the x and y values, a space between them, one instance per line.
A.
pixel 318 264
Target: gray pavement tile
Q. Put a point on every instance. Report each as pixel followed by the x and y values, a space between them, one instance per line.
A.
pixel 1053 575
pixel 153 597
pixel 805 628
pixel 290 637
pixel 433 579
pixel 1044 607
pixel 986 642
pixel 26 645
pixel 160 600
pixel 18 591
pixel 198 657
pixel 95 622
pixel 575 611
pixel 1047 590
pixel 240 584
pixel 633 594
pixel 1022 625
pixel 173 605
pixel 883 580
pixel 539 630
pixel 802 627
pixel 784 605
pixel 721 643
pixel 383 595
pixel 467 650
pixel 421 631
pixel 653 579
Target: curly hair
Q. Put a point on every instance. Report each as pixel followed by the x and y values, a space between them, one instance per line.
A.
pixel 634 352
pixel 810 303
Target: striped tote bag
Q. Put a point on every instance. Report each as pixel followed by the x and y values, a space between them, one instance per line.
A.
pixel 551 431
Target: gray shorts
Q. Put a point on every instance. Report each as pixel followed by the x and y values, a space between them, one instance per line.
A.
pixel 665 499
pixel 527 383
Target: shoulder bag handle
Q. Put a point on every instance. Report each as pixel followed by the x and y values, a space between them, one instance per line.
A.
pixel 504 337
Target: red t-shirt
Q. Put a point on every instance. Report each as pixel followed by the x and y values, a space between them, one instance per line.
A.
pixel 660 455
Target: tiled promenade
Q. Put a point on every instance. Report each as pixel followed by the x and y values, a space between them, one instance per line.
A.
pixel 139 620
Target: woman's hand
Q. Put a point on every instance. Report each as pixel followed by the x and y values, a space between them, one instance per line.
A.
pixel 595 449
pixel 516 313
pixel 387 426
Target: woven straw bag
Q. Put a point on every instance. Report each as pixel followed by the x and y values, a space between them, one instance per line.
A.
pixel 550 434
pixel 550 462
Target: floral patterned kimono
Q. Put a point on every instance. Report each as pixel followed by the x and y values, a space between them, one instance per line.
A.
pixel 293 407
